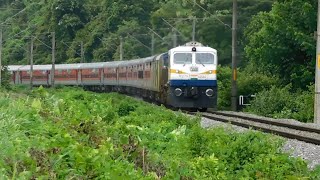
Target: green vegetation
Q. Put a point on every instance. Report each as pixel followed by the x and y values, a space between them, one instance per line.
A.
pixel 100 23
pixel 272 98
pixel 276 40
pixel 281 43
pixel 5 78
pixel 73 134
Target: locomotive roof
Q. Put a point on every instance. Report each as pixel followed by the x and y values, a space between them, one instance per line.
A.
pixel 14 67
pixel 67 66
pixel 35 67
pixel 113 64
pixel 137 61
pixel 188 47
pixel 92 65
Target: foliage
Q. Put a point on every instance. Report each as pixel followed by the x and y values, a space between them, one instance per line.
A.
pixel 280 102
pixel 5 78
pixel 224 87
pixel 70 133
pixel 250 82
pixel 100 24
pixel 214 26
pixel 282 41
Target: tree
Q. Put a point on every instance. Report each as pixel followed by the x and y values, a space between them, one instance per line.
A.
pixel 282 41
pixel 214 27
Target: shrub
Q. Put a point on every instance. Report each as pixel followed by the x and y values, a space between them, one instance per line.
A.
pixel 125 109
pixel 281 102
pixel 69 133
pixel 5 78
pixel 304 105
pixel 249 83
pixel 224 87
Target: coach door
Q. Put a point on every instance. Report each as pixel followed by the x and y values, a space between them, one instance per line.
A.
pixel 165 69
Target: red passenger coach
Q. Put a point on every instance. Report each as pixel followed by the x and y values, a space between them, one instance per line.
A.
pixel 111 73
pixel 91 73
pixel 40 74
pixel 15 74
pixel 67 74
pixel 147 71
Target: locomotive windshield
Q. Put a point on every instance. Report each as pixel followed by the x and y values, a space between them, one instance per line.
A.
pixel 183 58
pixel 204 58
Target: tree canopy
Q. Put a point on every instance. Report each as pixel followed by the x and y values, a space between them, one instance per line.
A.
pixel 99 24
pixel 282 41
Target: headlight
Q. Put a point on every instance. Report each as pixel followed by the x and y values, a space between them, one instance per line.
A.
pixel 178 92
pixel 209 92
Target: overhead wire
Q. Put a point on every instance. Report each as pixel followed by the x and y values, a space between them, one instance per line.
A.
pixel 214 16
pixel 70 47
pixel 43 43
pixel 13 16
pixel 139 41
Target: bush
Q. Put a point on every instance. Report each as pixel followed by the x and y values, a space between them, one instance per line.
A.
pixel 249 83
pixel 280 102
pixel 125 109
pixel 304 105
pixel 69 133
pixel 5 78
pixel 224 87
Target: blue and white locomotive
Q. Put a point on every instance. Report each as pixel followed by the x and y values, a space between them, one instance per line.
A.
pixel 183 77
pixel 192 76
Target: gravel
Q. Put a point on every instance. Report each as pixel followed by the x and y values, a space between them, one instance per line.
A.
pixel 309 152
pixel 208 123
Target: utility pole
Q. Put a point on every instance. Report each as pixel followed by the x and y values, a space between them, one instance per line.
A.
pixel 234 57
pixel 317 82
pixel 194 29
pixel 152 43
pixel 82 52
pixel 53 69
pixel 121 48
pixel 31 63
pixel 174 37
pixel 1 56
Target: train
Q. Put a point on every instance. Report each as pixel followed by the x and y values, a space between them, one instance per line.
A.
pixel 183 77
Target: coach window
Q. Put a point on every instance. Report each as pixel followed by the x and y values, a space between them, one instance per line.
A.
pixel 182 58
pixel 204 58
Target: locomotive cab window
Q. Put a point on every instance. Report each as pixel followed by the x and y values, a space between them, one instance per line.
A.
pixel 182 58
pixel 204 58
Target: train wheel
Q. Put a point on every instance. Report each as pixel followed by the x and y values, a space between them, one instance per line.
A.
pixel 203 109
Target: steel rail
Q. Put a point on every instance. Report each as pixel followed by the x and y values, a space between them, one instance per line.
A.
pixel 226 119
pixel 265 121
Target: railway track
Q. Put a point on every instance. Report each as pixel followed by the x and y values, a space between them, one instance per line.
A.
pixel 292 131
